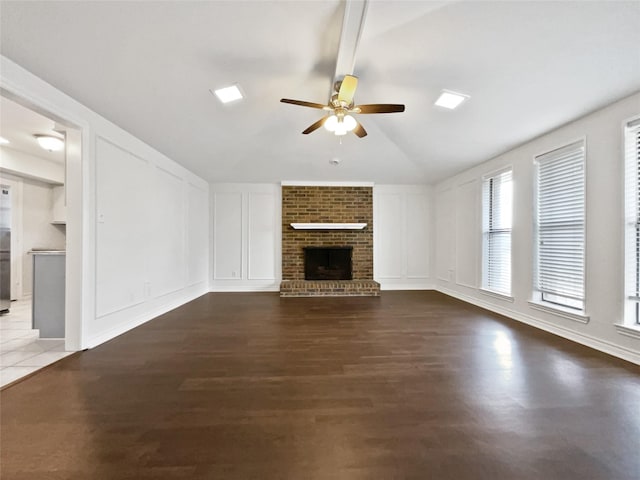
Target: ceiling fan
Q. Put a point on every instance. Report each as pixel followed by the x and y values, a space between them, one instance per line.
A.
pixel 341 106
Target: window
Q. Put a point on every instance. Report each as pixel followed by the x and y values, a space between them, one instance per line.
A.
pixel 632 234
pixel 497 205
pixel 560 213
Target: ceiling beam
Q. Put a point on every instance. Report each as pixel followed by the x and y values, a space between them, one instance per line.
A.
pixel 352 25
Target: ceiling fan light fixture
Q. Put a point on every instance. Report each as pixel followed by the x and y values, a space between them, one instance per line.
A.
pixel 331 123
pixel 338 121
pixel 50 143
pixel 349 122
pixel 341 129
pixel 340 125
pixel 450 100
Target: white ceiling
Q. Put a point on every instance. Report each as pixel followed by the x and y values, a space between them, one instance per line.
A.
pixel 529 67
pixel 19 125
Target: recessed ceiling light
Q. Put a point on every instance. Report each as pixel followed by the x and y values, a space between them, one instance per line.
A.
pixel 3 141
pixel 450 100
pixel 50 142
pixel 228 94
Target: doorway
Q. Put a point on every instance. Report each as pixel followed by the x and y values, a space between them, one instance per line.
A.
pixel 34 330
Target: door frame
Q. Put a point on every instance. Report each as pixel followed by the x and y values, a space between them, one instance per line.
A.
pixel 76 178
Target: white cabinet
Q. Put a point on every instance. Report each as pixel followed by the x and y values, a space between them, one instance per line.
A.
pixel 59 207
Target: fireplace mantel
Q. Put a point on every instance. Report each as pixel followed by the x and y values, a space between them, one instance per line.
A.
pixel 328 226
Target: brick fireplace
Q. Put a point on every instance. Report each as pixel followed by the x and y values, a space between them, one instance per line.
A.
pixel 331 205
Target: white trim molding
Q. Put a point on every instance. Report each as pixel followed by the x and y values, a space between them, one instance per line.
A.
pixel 245 287
pixel 609 348
pixel 328 226
pixel 627 330
pixel 311 183
pixel 501 296
pixel 560 312
pixel 405 286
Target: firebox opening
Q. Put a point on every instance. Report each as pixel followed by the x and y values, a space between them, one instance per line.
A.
pixel 327 263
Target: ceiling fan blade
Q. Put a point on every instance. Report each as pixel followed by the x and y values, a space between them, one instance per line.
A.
pixel 380 108
pixel 302 103
pixel 360 131
pixel 315 126
pixel 347 89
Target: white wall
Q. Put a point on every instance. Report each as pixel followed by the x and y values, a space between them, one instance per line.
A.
pixel 402 236
pixel 246 237
pixel 137 222
pixel 152 234
pixel 458 236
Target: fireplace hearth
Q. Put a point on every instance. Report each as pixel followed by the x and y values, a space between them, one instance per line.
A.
pixel 327 263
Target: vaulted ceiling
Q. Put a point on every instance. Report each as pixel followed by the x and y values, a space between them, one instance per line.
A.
pixel 148 66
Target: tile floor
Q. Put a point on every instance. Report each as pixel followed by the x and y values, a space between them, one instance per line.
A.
pixel 21 351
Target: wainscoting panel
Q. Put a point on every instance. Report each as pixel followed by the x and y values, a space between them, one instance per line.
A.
pixel 261 241
pixel 445 235
pixel 197 234
pixel 166 252
pixel 246 237
pixel 227 235
pixel 122 225
pixel 417 235
pixel 467 238
pixel 401 238
pixel 390 258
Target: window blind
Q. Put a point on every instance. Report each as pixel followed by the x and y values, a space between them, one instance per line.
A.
pixel 497 206
pixel 560 225
pixel 632 202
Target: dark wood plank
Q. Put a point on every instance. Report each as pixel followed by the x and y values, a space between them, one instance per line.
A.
pixel 410 385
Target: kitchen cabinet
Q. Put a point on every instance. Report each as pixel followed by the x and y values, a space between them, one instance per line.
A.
pixel 59 207
pixel 48 293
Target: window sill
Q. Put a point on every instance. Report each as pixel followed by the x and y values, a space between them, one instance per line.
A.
pixel 559 311
pixel 628 330
pixel 500 296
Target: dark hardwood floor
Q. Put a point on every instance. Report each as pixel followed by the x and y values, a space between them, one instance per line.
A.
pixel 411 385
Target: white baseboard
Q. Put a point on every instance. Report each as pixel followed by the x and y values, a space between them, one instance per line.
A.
pixel 244 288
pixel 405 286
pixel 587 340
pixel 191 293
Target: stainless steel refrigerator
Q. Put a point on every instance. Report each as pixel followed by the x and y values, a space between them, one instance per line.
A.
pixel 5 248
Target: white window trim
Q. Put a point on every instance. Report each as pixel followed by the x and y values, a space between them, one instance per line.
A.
pixel 628 326
pixel 486 291
pixel 482 289
pixel 559 311
pixel 632 331
pixel 499 295
pixel 537 302
pixel 628 330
